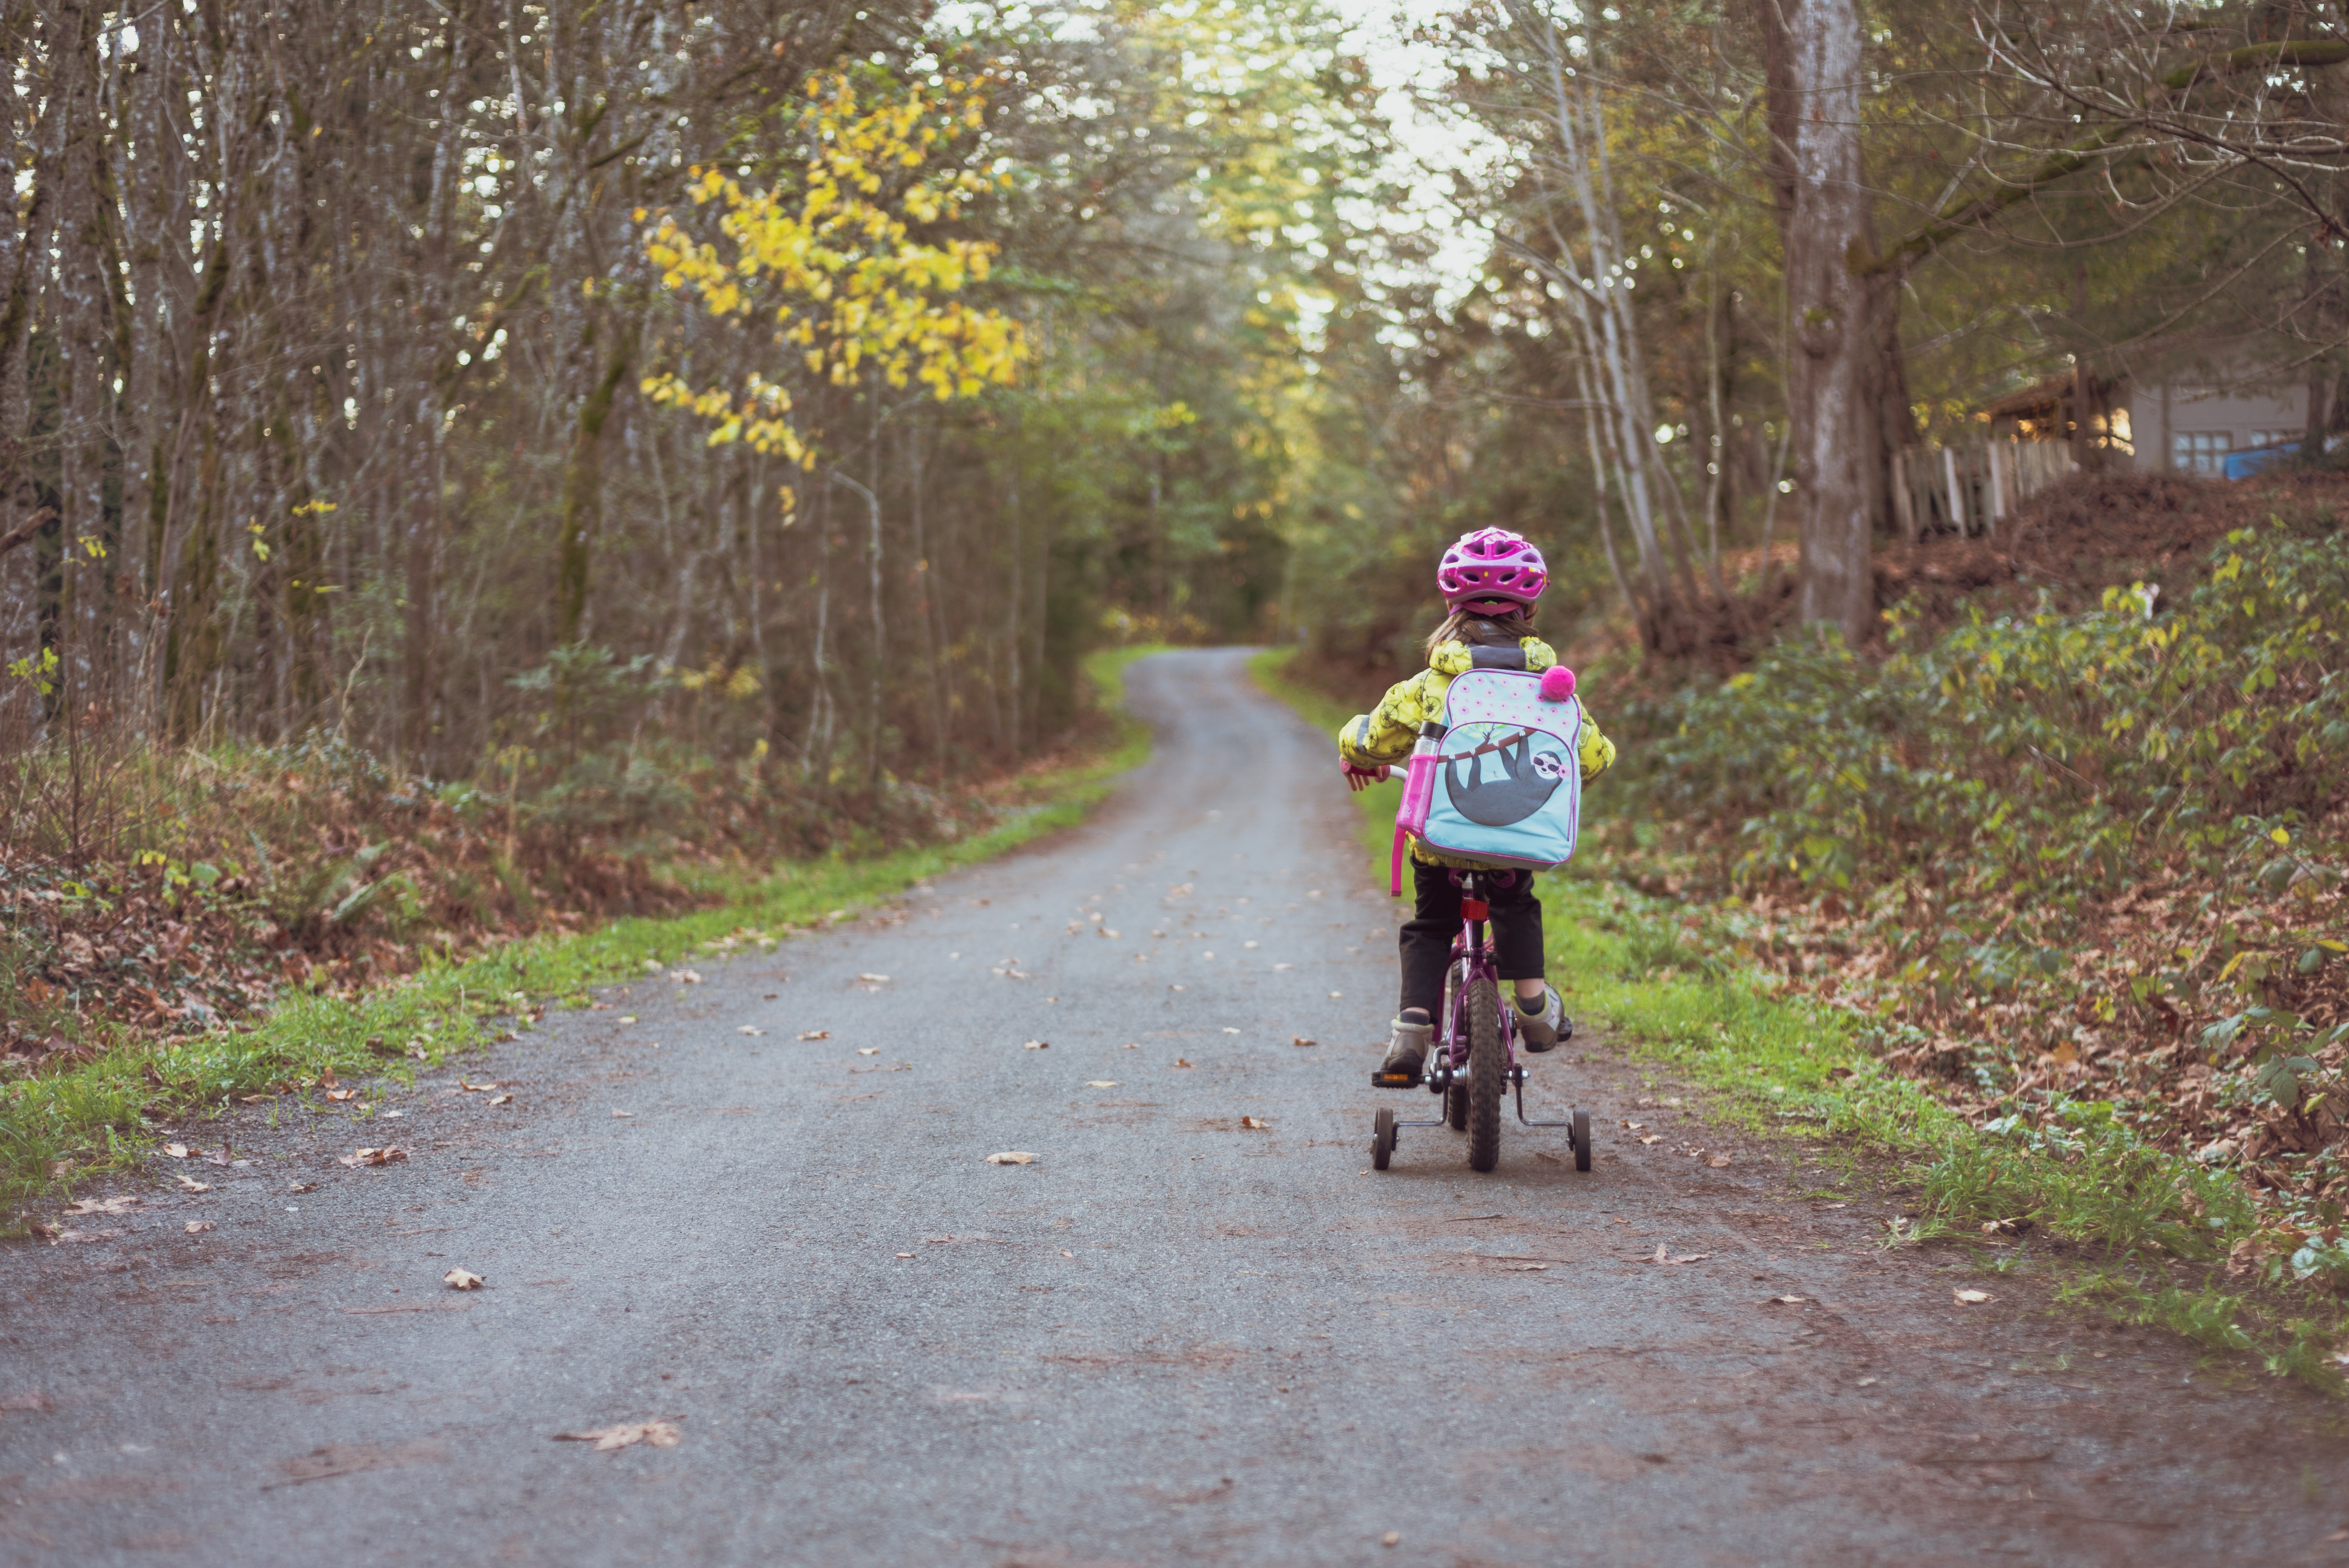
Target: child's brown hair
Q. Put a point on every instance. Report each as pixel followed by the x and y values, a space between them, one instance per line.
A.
pixel 1467 626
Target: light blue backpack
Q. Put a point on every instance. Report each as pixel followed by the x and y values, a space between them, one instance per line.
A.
pixel 1499 781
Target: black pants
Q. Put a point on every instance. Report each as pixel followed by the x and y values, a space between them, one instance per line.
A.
pixel 1426 938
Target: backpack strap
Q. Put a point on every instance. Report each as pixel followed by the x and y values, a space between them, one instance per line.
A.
pixel 1486 656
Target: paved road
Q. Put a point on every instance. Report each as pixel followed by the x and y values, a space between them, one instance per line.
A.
pixel 1171 1339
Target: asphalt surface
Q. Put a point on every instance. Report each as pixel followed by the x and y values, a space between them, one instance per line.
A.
pixel 1173 1338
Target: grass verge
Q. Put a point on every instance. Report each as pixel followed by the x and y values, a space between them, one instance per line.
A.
pixel 2144 1234
pixel 97 1117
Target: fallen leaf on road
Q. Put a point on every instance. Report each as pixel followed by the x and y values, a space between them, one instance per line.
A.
pixel 342 1094
pixel 1660 1256
pixel 350 1459
pixel 1231 1031
pixel 301 1186
pixel 653 965
pixel 1334 995
pixel 1787 1301
pixel 1249 945
pixel 194 1226
pixel 1391 1538
pixel 462 1279
pixel 623 1115
pixel 1635 1127
pixel 1066 1254
pixel 1301 1040
pixel 220 1156
pixel 176 1150
pixel 747 1029
pixel 1718 1160
pixel 659 1434
pixel 1037 1046
pixel 1178 988
pixel 868 1050
pixel 500 1099
pixel 816 1035
pixel 631 1017
pixel 1252 1123
pixel 685 976
pixel 1181 1063
pixel 1653 1137
pixel 874 979
pixel 905 1255
pixel 1130 1045
pixel 1970 1297
pixel 1011 1157
pixel 189 1184
pixel 1101 1083
pixel 103 1205
pixel 383 1155
pixel 2021 1224
pixel 475 1087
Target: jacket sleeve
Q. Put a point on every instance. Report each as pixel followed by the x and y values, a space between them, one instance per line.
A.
pixel 1597 751
pixel 1388 733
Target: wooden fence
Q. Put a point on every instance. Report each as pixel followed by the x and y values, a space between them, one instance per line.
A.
pixel 1973 487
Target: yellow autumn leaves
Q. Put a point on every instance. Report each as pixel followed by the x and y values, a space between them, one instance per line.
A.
pixel 833 253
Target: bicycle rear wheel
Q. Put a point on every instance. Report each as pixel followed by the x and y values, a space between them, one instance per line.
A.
pixel 1488 1073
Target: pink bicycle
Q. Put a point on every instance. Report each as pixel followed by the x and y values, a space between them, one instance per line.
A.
pixel 1476 1054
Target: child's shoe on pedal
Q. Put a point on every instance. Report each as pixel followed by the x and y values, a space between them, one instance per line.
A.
pixel 1406 1056
pixel 1542 1023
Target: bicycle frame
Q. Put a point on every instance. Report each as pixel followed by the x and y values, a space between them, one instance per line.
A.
pixel 1473 959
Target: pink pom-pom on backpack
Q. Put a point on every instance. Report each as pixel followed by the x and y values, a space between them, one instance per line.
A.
pixel 1557 684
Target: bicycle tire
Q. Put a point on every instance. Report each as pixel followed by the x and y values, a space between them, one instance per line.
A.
pixel 1582 1140
pixel 1455 1107
pixel 1488 1073
pixel 1383 1138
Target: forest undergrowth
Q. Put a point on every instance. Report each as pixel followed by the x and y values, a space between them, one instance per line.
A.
pixel 258 922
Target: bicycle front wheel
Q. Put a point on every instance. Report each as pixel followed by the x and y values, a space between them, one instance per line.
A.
pixel 1488 1075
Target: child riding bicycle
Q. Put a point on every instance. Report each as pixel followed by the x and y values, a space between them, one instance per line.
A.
pixel 1491 581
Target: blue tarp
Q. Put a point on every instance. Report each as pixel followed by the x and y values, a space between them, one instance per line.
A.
pixel 2243 465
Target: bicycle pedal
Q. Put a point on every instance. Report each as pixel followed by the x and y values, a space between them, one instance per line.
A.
pixel 1380 1079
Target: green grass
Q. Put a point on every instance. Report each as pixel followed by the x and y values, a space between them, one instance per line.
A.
pixel 100 1116
pixel 2146 1229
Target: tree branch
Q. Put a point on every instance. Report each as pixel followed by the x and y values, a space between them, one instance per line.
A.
pixel 25 530
pixel 1959 215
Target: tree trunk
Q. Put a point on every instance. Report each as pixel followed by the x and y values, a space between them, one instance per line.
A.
pixel 583 488
pixel 1838 437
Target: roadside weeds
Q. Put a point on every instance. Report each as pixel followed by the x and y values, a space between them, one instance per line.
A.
pixel 2111 1220
pixel 100 1116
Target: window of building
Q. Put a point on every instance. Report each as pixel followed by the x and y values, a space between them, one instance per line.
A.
pixel 2275 437
pixel 2201 451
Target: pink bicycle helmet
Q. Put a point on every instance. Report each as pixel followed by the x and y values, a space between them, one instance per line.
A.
pixel 1491 571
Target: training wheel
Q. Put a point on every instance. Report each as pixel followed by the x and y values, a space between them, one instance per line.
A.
pixel 1383 1138
pixel 1581 1134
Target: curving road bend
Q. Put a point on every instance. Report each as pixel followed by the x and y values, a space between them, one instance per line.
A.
pixel 1173 1338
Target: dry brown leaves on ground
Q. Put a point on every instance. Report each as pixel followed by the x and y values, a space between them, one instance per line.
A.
pixel 659 1434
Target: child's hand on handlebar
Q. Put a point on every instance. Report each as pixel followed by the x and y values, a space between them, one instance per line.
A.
pixel 1360 778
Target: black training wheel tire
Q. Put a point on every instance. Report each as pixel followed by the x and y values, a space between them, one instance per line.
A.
pixel 1582 1140
pixel 1383 1138
pixel 1488 1076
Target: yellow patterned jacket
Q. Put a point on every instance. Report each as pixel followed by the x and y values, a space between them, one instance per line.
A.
pixel 1386 735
